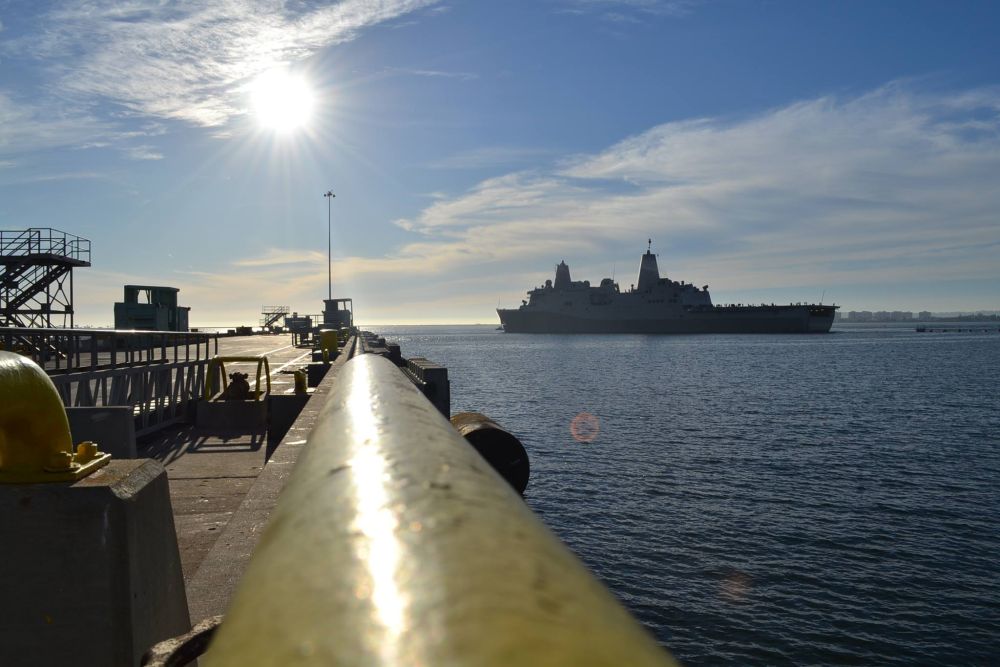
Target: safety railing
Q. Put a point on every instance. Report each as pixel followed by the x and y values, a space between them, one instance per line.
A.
pixel 159 394
pixel 395 543
pixel 156 373
pixel 217 375
pixel 43 241
pixel 75 350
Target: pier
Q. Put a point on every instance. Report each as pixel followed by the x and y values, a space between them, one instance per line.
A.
pixel 300 496
pixel 211 470
pixel 357 523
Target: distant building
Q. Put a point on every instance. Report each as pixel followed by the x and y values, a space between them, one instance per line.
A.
pixel 880 316
pixel 925 315
pixel 157 310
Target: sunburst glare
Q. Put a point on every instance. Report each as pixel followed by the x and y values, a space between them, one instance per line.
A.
pixel 282 101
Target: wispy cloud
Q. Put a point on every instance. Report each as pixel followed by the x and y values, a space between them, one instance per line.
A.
pixel 283 257
pixel 27 179
pixel 174 61
pixel 435 73
pixel 896 185
pixel 28 126
pixel 626 10
pixel 143 153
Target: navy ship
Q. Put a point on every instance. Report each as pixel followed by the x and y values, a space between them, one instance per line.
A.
pixel 652 305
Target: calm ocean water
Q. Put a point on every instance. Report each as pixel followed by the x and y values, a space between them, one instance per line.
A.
pixel 763 499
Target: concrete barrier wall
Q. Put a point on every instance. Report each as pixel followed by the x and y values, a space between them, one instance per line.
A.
pixel 89 570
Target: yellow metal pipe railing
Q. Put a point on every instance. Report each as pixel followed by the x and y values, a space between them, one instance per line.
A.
pixel 395 543
pixel 217 368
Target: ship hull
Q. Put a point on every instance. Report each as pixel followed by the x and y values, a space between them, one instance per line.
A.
pixel 747 319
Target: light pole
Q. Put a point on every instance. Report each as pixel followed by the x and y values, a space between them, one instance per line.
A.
pixel 329 245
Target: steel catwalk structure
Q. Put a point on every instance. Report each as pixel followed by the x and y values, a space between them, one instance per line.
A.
pixel 36 276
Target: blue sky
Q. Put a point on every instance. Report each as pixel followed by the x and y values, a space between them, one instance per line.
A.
pixel 776 151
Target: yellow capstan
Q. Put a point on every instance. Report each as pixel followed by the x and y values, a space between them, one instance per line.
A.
pixel 35 440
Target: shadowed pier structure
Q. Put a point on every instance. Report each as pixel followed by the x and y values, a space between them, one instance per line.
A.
pixel 368 532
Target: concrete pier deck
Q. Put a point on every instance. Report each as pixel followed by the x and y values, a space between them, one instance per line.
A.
pixel 211 471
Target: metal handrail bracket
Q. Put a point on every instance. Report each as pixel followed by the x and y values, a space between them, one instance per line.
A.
pixel 394 543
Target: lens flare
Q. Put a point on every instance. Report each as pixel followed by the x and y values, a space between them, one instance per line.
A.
pixel 585 427
pixel 735 586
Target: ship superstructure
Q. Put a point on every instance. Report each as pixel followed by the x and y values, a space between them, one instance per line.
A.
pixel 652 305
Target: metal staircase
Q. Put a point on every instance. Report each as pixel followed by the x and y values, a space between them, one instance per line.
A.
pixel 271 315
pixel 36 276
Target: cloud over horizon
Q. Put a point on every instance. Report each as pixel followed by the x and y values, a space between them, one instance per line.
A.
pixel 893 185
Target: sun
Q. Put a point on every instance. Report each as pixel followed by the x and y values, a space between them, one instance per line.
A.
pixel 282 101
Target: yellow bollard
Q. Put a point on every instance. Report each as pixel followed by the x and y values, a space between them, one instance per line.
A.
pixel 35 441
pixel 301 385
pixel 330 342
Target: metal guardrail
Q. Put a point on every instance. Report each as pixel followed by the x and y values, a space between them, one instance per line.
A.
pixel 395 543
pixel 76 350
pixel 159 394
pixel 43 241
pixel 156 373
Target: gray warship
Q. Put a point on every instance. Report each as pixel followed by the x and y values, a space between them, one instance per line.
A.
pixel 652 305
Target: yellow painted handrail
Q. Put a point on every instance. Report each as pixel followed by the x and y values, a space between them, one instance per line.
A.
pixel 219 362
pixel 394 543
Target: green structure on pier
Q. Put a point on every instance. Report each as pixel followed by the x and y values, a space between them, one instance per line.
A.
pixel 156 311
